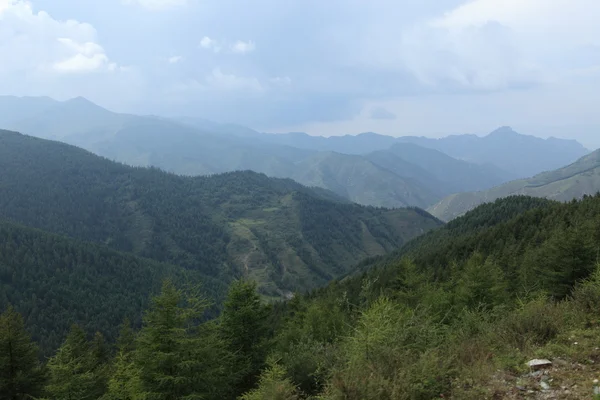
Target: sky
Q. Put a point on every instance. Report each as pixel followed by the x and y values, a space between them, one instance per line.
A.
pixel 398 67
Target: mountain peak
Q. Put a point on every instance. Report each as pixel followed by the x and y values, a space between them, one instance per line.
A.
pixel 503 131
pixel 81 104
pixel 79 99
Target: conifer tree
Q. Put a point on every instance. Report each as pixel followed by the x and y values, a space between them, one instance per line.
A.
pixel 173 359
pixel 124 383
pixel 21 375
pixel 74 370
pixel 244 327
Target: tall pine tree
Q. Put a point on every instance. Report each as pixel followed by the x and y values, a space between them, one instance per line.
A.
pixel 75 373
pixel 21 375
pixel 174 357
pixel 244 327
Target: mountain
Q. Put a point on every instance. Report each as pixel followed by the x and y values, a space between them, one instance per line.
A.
pixel 55 282
pixel 348 144
pixel 455 310
pixel 440 173
pixel 282 234
pixel 390 172
pixel 564 184
pixel 190 146
pixel 520 155
pixel 360 180
pixel 516 154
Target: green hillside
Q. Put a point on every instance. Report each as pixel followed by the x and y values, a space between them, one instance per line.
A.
pixel 361 181
pixel 284 235
pixel 55 282
pixel 458 313
pixel 564 184
pixel 440 173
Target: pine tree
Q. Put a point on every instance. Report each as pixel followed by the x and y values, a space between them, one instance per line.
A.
pixel 273 385
pixel 124 382
pixel 74 370
pixel 167 348
pixel 21 375
pixel 244 327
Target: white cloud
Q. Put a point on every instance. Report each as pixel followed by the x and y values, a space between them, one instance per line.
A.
pixel 238 47
pixel 157 5
pixel 495 44
pixel 87 57
pixel 229 82
pixel 242 47
pixel 175 59
pixel 4 4
pixel 210 44
pixel 35 43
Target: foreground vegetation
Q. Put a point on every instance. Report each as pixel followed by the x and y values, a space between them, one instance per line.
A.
pixel 457 313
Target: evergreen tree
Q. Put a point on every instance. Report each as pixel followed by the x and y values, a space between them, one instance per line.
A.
pixel 126 339
pixel 21 376
pixel 124 382
pixel 244 327
pixel 273 385
pixel 74 370
pixel 175 358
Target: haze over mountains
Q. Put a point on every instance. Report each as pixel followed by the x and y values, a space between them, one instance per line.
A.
pixel 368 169
pixel 564 184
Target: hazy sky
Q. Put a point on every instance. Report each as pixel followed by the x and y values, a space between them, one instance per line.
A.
pixel 329 67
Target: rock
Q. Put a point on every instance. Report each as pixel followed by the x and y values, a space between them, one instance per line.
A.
pixel 539 364
pixel 544 385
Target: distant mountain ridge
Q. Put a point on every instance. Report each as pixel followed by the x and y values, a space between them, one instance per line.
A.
pixel 564 184
pixel 368 169
pixel 520 155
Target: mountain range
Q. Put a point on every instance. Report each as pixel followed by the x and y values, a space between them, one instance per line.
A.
pixel 369 169
pixel 284 235
pixel 564 184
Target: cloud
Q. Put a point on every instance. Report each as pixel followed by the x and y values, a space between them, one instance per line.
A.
pixel 157 5
pixel 210 44
pixel 242 47
pixel 238 47
pixel 175 59
pixel 500 44
pixel 42 55
pixel 382 113
pixel 312 62
pixel 37 44
pixel 87 57
pixel 230 82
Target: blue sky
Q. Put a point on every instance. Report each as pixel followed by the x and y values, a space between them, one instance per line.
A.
pixel 426 67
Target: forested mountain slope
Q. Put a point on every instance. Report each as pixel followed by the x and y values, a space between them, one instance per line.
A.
pixel 458 312
pixel 362 180
pixel 278 232
pixel 440 173
pixel 567 183
pixel 55 282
